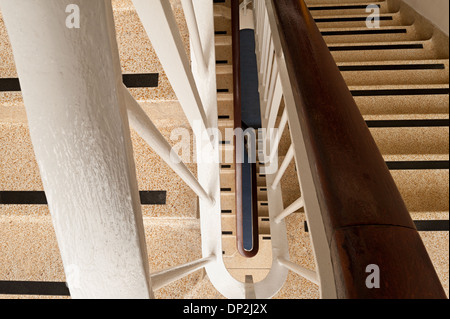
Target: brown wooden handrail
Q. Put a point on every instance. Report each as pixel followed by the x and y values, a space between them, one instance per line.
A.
pixel 365 218
pixel 238 155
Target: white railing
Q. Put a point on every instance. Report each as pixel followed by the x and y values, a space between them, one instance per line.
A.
pixel 274 88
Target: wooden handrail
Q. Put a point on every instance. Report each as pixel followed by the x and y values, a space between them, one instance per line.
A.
pixel 238 154
pixel 365 218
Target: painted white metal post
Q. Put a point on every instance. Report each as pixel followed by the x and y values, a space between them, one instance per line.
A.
pixel 287 160
pixel 160 24
pixel 299 270
pixel 71 84
pixel 278 136
pixel 196 43
pixel 167 276
pixel 144 126
pixel 295 206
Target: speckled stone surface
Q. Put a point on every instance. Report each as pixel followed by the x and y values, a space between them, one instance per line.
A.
pixel 29 250
pixel 20 172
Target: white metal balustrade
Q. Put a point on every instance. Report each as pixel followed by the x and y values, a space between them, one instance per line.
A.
pixel 275 87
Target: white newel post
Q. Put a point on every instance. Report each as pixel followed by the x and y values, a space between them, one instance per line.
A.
pixel 72 87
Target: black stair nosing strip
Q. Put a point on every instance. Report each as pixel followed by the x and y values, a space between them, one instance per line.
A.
pixel 350 19
pixel 418 165
pixel 223 90
pixel 400 92
pixel 376 47
pixel 141 80
pixel 135 80
pixel 432 225
pixel 364 32
pixel 218 1
pixel 220 32
pixel 392 67
pixel 227 211
pixel 225 190
pixel 267 238
pixel 224 117
pixel 153 197
pixel 10 85
pixel 408 123
pixel 221 61
pixel 39 198
pixel 421 225
pixel 226 166
pixel 34 288
pixel 227 233
pixel 342 7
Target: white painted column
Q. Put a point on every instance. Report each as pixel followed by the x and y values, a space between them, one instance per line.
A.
pixel 71 83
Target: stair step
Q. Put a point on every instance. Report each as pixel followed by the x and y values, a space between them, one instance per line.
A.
pixel 347 8
pixel 411 140
pixel 30 250
pixel 401 99
pixel 222 22
pixel 364 34
pixel 423 190
pixel 233 259
pixel 224 77
pixel 354 21
pixel 383 51
pixel 221 11
pixel 224 52
pixel 20 171
pixel 395 72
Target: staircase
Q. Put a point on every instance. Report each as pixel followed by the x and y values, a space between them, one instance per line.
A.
pixel 398 75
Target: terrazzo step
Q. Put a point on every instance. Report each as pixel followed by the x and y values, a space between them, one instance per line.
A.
pixel 408 140
pixel 396 100
pixel 30 250
pixel 221 11
pixel 203 290
pixel 19 169
pixel 395 72
pixel 222 22
pixel 224 53
pixel 225 3
pixel 338 2
pixel 364 34
pixel 355 21
pixel 384 51
pixel 224 77
pixel 344 8
pixel 423 190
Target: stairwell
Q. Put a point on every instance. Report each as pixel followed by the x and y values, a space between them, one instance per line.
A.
pixel 398 74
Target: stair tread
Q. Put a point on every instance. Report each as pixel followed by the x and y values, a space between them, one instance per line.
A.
pixel 396 62
pixel 223 40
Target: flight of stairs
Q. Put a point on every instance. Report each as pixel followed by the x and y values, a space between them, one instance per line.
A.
pixel 238 266
pixel 399 76
pixel 396 82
